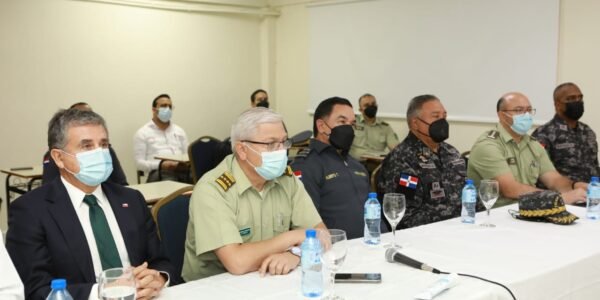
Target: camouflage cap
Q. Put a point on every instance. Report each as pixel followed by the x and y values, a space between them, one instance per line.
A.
pixel 544 206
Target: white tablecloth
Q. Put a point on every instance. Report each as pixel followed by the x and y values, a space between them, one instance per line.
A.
pixel 535 260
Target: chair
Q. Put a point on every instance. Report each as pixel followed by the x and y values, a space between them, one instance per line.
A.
pixel 374 178
pixel 139 174
pixel 465 156
pixel 171 215
pixel 301 139
pixel 206 153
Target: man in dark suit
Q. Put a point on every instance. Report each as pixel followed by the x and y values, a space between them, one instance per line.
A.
pixel 78 225
pixel 50 170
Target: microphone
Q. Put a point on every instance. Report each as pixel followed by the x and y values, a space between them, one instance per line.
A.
pixel 392 255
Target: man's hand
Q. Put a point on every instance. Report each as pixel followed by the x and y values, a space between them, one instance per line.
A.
pixel 574 196
pixel 169 165
pixel 149 282
pixel 279 264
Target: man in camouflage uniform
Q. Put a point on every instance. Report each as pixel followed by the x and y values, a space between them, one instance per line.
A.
pixel 337 183
pixel 571 144
pixel 247 212
pixel 371 135
pixel 428 171
pixel 516 160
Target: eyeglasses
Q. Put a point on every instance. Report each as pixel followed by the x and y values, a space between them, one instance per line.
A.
pixel 520 111
pixel 272 146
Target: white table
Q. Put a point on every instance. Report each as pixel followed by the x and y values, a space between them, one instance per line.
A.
pixel 535 260
pixel 154 191
pixel 182 158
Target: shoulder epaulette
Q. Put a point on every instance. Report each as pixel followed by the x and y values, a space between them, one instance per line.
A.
pixel 225 181
pixel 493 134
pixel 303 153
pixel 288 171
pixel 384 123
pixel 533 138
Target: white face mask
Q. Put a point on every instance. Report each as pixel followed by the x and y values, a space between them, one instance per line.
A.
pixel 273 163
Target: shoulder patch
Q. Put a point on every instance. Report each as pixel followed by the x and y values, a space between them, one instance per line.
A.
pixel 288 171
pixel 493 134
pixel 226 181
pixel 303 152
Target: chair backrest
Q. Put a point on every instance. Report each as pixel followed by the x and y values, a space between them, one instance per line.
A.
pixel 301 139
pixel 206 153
pixel 374 178
pixel 171 216
pixel 465 156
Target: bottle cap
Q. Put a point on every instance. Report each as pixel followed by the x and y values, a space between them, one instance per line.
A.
pixel 595 178
pixel 58 284
pixel 372 195
pixel 311 233
pixel 469 181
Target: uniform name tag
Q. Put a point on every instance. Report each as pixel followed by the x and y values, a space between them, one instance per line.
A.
pixel 564 146
pixel 245 231
pixel 563 127
pixel 427 165
pixel 511 161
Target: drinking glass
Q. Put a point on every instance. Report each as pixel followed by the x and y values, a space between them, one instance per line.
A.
pixel 333 252
pixel 488 193
pixel 117 284
pixel 394 206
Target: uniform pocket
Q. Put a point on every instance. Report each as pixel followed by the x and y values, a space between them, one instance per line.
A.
pixel 281 223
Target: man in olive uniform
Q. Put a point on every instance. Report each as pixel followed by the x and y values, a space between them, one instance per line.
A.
pixel 516 160
pixel 337 183
pixel 248 213
pixel 372 136
pixel 259 98
pixel 428 171
pixel 571 144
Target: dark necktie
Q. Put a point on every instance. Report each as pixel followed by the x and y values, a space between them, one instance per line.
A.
pixel 109 256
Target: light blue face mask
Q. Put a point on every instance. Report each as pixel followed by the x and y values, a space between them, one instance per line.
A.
pixel 94 166
pixel 164 114
pixel 273 163
pixel 522 123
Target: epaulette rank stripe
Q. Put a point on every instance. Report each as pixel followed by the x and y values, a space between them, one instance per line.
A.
pixel 226 180
pixel 288 171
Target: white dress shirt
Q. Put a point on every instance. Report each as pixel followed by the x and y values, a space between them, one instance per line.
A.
pixel 11 286
pixel 83 213
pixel 150 141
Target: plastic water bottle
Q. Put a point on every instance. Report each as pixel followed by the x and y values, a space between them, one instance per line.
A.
pixel 59 290
pixel 312 278
pixel 593 199
pixel 469 202
pixel 372 220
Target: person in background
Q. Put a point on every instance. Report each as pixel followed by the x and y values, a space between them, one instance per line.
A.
pixel 11 287
pixel 79 224
pixel 372 136
pixel 249 213
pixel 161 136
pixel 337 183
pixel 427 170
pixel 515 159
pixel 259 98
pixel 50 170
pixel 571 144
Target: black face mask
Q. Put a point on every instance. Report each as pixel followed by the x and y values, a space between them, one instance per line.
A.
pixel 371 111
pixel 264 104
pixel 341 137
pixel 438 130
pixel 574 110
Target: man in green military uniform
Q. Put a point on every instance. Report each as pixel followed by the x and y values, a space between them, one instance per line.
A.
pixel 372 136
pixel 516 160
pixel 248 212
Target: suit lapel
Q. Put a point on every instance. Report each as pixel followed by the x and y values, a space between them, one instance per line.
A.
pixel 125 220
pixel 61 209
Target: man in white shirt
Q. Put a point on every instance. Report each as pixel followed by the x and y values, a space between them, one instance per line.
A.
pixel 11 286
pixel 79 224
pixel 160 137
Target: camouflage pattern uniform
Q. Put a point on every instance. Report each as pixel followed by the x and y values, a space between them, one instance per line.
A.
pixel 337 184
pixel 440 179
pixel 574 151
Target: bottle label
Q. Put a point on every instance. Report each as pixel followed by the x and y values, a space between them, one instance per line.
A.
pixel 372 212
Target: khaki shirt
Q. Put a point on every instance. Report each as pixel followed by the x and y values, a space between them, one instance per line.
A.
pixel 374 139
pixel 496 153
pixel 225 209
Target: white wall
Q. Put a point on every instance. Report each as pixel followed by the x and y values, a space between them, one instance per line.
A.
pixel 578 62
pixel 118 58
